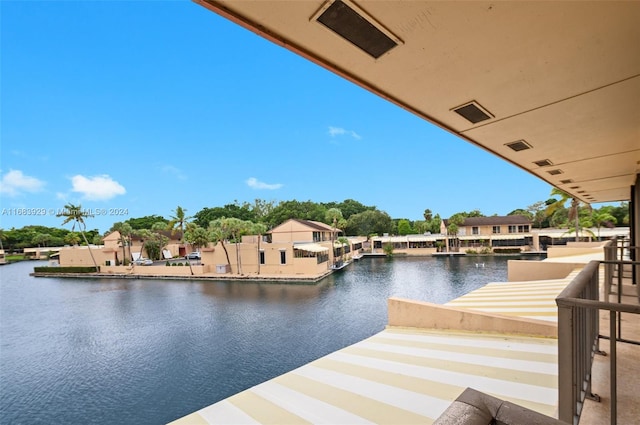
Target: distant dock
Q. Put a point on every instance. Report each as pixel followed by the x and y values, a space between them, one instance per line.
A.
pixel 448 254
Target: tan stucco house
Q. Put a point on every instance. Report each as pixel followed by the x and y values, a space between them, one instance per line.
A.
pixel 294 249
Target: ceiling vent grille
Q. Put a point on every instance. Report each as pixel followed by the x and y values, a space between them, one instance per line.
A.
pixel 519 145
pixel 567 181
pixel 575 187
pixel 543 163
pixel 342 19
pixel 473 112
pixel 554 172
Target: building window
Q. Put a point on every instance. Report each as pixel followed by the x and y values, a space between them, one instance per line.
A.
pixel 262 257
pixel 513 229
pixel 316 236
pixel 475 230
pixel 523 229
pixel 283 257
pixel 509 242
pixel 496 229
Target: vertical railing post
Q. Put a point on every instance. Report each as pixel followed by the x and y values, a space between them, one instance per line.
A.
pixel 567 382
pixel 610 251
pixel 613 367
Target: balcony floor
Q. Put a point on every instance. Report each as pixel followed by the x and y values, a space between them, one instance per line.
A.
pixel 628 370
pixel 398 376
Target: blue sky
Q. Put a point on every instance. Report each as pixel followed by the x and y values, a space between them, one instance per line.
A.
pixel 134 108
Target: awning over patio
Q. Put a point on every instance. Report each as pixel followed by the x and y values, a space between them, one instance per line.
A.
pixel 311 247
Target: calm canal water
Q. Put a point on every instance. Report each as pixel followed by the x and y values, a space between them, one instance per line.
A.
pixel 78 351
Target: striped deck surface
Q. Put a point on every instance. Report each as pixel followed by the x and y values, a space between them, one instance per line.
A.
pixel 398 377
pixel 529 299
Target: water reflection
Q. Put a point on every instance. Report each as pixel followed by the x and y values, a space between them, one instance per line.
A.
pixel 79 351
pixel 266 291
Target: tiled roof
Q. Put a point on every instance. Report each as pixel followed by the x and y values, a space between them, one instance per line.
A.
pixel 314 224
pixel 495 220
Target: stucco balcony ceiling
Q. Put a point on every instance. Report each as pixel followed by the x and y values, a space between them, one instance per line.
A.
pixel 560 78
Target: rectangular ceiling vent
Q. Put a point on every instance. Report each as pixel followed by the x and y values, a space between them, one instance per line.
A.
pixel 567 181
pixel 575 187
pixel 543 163
pixel 582 191
pixel 554 172
pixel 473 112
pixel 344 20
pixel 519 145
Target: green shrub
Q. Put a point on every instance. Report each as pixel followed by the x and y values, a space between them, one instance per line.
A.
pixel 174 264
pixel 180 264
pixel 66 269
pixel 471 251
pixel 167 264
pixel 507 250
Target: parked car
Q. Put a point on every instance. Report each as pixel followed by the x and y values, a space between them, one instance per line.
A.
pixel 143 262
pixel 193 256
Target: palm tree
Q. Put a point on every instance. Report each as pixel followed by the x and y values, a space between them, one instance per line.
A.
pixel 144 235
pixel 159 240
pixel 218 233
pixel 2 237
pixel 573 209
pixel 77 215
pixel 72 238
pixel 333 215
pixel 41 239
pixel 455 221
pixel 178 221
pixel 344 242
pixel 258 229
pixel 196 236
pixel 600 217
pixel 235 228
pixel 125 231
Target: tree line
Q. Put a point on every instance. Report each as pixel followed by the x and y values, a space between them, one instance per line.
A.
pixel 355 218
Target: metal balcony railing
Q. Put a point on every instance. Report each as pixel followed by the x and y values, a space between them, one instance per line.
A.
pixel 579 309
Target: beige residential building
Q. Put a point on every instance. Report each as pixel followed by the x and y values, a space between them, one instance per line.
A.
pixel 511 231
pixel 476 233
pixel 294 249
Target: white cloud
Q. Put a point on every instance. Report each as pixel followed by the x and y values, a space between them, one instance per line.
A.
pixel 98 188
pixel 254 183
pixel 338 131
pixel 15 182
